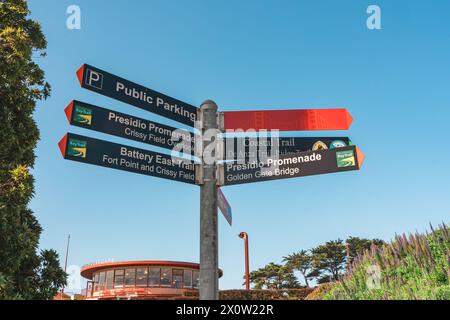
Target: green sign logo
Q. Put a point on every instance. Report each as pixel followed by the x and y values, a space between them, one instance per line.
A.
pixel 345 159
pixel 77 148
pixel 83 115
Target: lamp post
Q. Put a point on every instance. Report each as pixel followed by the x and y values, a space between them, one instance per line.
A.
pixel 65 262
pixel 244 235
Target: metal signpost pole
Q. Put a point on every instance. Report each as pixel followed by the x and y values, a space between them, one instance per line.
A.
pixel 209 260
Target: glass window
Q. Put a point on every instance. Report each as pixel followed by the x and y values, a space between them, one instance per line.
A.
pixel 89 289
pixel 118 278
pixel 130 277
pixel 109 279
pixel 141 277
pixel 195 279
pixel 153 277
pixel 187 279
pixel 177 278
pixel 96 278
pixel 101 281
pixel 166 277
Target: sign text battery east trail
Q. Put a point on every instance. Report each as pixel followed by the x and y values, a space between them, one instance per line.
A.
pixel 116 156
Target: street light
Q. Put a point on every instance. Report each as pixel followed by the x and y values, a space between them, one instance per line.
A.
pixel 244 235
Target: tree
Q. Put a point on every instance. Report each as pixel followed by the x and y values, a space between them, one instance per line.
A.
pixel 300 261
pixel 274 276
pixel 24 272
pixel 358 246
pixel 328 260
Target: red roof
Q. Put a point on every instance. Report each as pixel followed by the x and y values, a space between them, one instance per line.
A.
pixel 88 270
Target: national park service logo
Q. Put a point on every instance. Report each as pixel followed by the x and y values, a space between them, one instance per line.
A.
pixel 77 148
pixel 83 115
pixel 345 159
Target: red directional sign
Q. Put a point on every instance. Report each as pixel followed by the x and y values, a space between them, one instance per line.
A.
pixel 288 120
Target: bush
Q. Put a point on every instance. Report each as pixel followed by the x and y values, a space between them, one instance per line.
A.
pixel 282 294
pixel 319 292
pixel 414 267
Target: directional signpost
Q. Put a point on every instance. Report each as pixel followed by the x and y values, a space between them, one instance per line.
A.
pixel 288 120
pixel 115 87
pixel 112 155
pixel 253 148
pixel 254 159
pixel 293 165
pixel 224 206
pixel 122 125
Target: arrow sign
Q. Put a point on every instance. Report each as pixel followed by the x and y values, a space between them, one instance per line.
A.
pixel 288 120
pixel 224 206
pixel 118 124
pixel 293 165
pixel 254 148
pixel 114 87
pixel 112 155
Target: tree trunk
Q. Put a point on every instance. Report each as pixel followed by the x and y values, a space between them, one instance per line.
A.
pixel 306 279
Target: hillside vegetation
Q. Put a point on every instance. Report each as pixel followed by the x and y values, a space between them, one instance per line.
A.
pixel 414 267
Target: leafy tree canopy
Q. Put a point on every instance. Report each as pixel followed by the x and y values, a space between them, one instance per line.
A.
pixel 25 273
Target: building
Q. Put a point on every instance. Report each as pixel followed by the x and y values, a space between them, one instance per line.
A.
pixel 142 280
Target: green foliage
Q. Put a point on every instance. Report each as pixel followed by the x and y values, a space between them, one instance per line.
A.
pixel 24 274
pixel 323 263
pixel 274 276
pixel 301 262
pixel 414 267
pixel 328 260
pixel 258 294
pixel 358 246
pixel 282 294
pixel 319 291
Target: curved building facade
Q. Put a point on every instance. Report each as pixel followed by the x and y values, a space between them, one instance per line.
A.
pixel 141 280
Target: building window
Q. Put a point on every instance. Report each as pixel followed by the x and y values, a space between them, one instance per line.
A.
pixel 109 279
pixel 153 277
pixel 118 278
pixel 141 277
pixel 187 279
pixel 96 278
pixel 130 277
pixel 101 281
pixel 195 279
pixel 89 289
pixel 166 277
pixel 177 278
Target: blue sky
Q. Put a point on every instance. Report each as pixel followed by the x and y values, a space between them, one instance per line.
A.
pixel 250 55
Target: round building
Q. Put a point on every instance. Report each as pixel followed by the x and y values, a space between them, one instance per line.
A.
pixel 142 280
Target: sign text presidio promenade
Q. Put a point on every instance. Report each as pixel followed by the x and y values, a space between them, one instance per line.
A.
pixel 122 125
pixel 293 165
pixel 250 159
